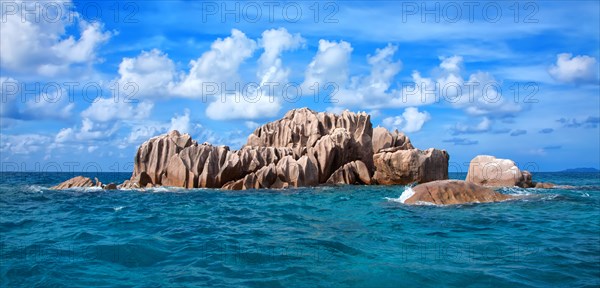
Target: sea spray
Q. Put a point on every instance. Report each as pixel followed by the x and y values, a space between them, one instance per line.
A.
pixel 407 193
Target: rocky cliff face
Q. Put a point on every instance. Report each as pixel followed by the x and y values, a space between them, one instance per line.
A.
pixel 304 148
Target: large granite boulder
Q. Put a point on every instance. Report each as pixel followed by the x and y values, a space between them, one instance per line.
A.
pixel 448 192
pixel 396 166
pixel 495 172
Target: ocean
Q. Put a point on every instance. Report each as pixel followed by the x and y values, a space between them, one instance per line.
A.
pixel 342 236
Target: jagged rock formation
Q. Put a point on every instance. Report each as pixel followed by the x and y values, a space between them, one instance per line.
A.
pixel 303 129
pixel 383 139
pixel 185 163
pixel 304 148
pixel 448 192
pixel 494 172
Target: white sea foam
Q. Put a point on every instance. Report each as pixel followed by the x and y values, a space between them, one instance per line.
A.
pixel 516 191
pixel 158 189
pixel 118 208
pixel 36 188
pixel 89 189
pixel 425 203
pixel 162 189
pixel 408 192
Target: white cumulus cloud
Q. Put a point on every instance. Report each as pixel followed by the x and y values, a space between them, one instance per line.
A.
pixel 330 64
pixel 42 46
pixel 410 121
pixel 578 69
pixel 181 123
pixel 275 42
pixel 109 109
pixel 218 65
pixel 237 107
pixel 150 74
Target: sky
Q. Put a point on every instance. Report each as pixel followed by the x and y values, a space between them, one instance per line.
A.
pixel 84 83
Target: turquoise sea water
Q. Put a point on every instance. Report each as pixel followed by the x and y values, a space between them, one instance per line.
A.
pixel 348 236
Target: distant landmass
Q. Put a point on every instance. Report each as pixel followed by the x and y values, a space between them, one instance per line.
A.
pixel 579 170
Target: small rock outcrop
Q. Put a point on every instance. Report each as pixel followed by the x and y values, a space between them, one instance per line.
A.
pixel 75 182
pixel 83 182
pixel 450 192
pixel 494 172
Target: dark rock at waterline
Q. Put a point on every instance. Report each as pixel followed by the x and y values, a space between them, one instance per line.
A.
pixel 110 186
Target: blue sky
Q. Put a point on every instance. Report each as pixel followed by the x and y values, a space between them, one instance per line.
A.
pixel 84 83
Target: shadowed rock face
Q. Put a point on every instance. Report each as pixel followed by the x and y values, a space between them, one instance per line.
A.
pixel 355 172
pixel 304 148
pixel 448 192
pixel 494 172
